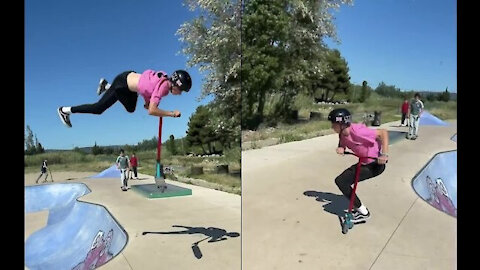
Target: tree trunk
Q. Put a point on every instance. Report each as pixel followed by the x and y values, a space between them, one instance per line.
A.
pixel 261 105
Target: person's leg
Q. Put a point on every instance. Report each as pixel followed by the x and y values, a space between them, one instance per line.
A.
pixel 126 178
pixel 403 118
pixel 135 172
pixel 124 95
pixel 417 122
pixel 107 100
pixel 346 179
pixel 103 86
pixel 122 178
pixel 36 182
pixel 410 126
pixel 46 176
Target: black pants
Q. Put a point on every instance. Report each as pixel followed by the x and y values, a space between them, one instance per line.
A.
pixel 117 91
pixel 404 116
pixel 134 168
pixel 347 178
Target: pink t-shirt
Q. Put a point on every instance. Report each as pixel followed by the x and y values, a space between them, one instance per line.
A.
pixel 362 141
pixel 152 87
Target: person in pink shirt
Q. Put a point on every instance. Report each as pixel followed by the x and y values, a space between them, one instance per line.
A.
pixel 364 142
pixel 151 85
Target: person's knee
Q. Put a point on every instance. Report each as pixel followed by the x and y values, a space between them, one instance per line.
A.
pixel 98 110
pixel 339 182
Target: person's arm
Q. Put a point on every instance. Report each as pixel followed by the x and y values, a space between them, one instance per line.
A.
pixel 154 110
pixel 382 136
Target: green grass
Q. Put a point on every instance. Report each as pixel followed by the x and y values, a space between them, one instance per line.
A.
pixel 288 133
pixel 224 180
pixel 390 108
pixel 82 162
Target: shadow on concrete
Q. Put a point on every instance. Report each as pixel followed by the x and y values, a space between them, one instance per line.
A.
pixel 216 235
pixel 333 203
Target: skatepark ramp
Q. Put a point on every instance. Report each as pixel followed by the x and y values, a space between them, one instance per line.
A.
pixel 436 183
pixel 77 235
pixel 428 119
pixel 454 138
pixel 111 172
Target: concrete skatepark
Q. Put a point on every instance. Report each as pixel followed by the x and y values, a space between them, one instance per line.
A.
pixel 173 226
pixel 289 213
pixel 290 208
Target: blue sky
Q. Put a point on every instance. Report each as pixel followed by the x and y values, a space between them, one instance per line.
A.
pixel 411 44
pixel 70 45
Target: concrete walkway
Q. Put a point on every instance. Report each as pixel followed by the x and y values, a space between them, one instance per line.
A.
pixel 136 214
pixel 290 205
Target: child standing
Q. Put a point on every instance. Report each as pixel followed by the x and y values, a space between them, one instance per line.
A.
pixel 364 142
pixel 414 113
pixel 123 163
pixel 43 170
pixel 404 110
pixel 126 86
pixel 134 163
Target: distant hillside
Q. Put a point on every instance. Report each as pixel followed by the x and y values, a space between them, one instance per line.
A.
pixel 88 150
pixel 453 96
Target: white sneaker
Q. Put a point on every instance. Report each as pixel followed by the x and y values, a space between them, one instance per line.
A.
pixel 102 86
pixel 65 117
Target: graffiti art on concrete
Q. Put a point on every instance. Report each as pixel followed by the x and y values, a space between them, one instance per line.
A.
pixel 99 252
pixel 77 235
pixel 436 183
pixel 439 197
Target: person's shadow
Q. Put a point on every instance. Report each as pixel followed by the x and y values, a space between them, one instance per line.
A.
pixel 216 235
pixel 333 203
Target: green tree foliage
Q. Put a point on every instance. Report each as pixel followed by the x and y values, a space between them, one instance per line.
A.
pixel 336 78
pixel 212 42
pixel 97 150
pixel 365 92
pixel 264 35
pixel 148 144
pixel 199 129
pixel 444 96
pixel 32 144
pixel 28 140
pixel 283 53
pixel 431 97
pixel 388 90
pixel 108 150
pixel 171 146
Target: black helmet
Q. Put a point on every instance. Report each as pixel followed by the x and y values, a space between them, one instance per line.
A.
pixel 182 80
pixel 341 116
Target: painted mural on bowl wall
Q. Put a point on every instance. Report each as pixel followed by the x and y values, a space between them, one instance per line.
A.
pixel 78 235
pixel 99 252
pixel 437 182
